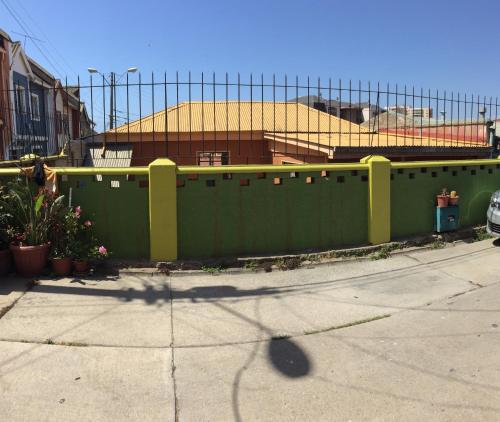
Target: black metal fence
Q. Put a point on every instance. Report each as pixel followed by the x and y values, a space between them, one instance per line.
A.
pixel 217 119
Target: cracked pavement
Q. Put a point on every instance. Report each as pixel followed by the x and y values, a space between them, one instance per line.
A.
pixel 411 337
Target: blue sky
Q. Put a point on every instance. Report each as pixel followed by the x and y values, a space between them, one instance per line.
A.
pixel 445 45
pixel 434 44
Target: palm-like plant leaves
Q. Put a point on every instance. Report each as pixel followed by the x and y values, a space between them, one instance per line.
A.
pixel 38 204
pixel 31 216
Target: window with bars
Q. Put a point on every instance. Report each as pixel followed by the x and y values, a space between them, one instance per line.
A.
pixel 213 158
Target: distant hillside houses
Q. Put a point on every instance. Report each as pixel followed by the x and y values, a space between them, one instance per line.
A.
pixel 354 112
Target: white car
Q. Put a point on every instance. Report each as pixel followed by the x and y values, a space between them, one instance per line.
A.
pixel 493 215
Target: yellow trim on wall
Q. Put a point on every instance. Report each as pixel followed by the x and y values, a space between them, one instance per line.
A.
pixel 86 171
pixel 102 170
pixel 270 168
pixel 447 163
pixel 379 199
pixel 163 210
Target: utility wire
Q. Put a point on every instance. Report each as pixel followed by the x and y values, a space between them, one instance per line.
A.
pixel 25 29
pixel 68 65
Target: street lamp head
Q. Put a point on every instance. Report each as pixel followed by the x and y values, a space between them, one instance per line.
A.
pixel 132 70
pixel 92 70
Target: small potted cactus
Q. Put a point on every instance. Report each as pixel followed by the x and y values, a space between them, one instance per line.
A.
pixel 443 198
pixel 453 198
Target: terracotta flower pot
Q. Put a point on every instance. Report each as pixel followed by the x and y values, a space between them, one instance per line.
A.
pixel 442 201
pixel 61 266
pixel 30 260
pixel 81 267
pixel 5 261
pixel 453 200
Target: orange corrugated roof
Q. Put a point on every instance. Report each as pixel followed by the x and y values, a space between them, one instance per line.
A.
pixel 242 116
pixel 280 121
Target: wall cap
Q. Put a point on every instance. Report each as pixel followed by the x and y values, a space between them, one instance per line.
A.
pixel 161 162
pixel 374 158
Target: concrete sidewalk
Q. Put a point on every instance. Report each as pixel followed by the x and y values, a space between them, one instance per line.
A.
pixel 407 338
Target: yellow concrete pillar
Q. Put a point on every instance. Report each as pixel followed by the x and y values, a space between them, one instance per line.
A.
pixel 379 199
pixel 163 210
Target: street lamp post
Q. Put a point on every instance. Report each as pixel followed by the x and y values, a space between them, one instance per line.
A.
pixel 112 83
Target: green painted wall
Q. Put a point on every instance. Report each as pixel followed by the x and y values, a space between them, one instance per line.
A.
pixel 121 215
pixel 229 219
pixel 217 216
pixel 413 195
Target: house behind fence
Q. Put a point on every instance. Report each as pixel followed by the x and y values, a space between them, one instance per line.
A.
pixel 130 120
pixel 38 113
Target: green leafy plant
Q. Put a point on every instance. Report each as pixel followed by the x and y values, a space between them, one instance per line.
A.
pixel 32 215
pixel 288 263
pixel 251 265
pixel 84 245
pixel 211 270
pixel 4 236
pixel 5 222
pixel 384 251
pixel 63 234
pixel 313 258
pixel 437 244
pixel 481 234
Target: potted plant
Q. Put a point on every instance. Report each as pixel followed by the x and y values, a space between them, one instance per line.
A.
pixel 454 198
pixel 443 198
pixel 61 262
pixel 5 254
pixel 62 237
pixel 85 246
pixel 32 219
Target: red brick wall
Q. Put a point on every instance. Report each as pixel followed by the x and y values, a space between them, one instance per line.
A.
pixel 185 153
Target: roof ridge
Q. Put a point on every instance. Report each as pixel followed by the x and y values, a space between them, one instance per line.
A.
pixel 240 102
